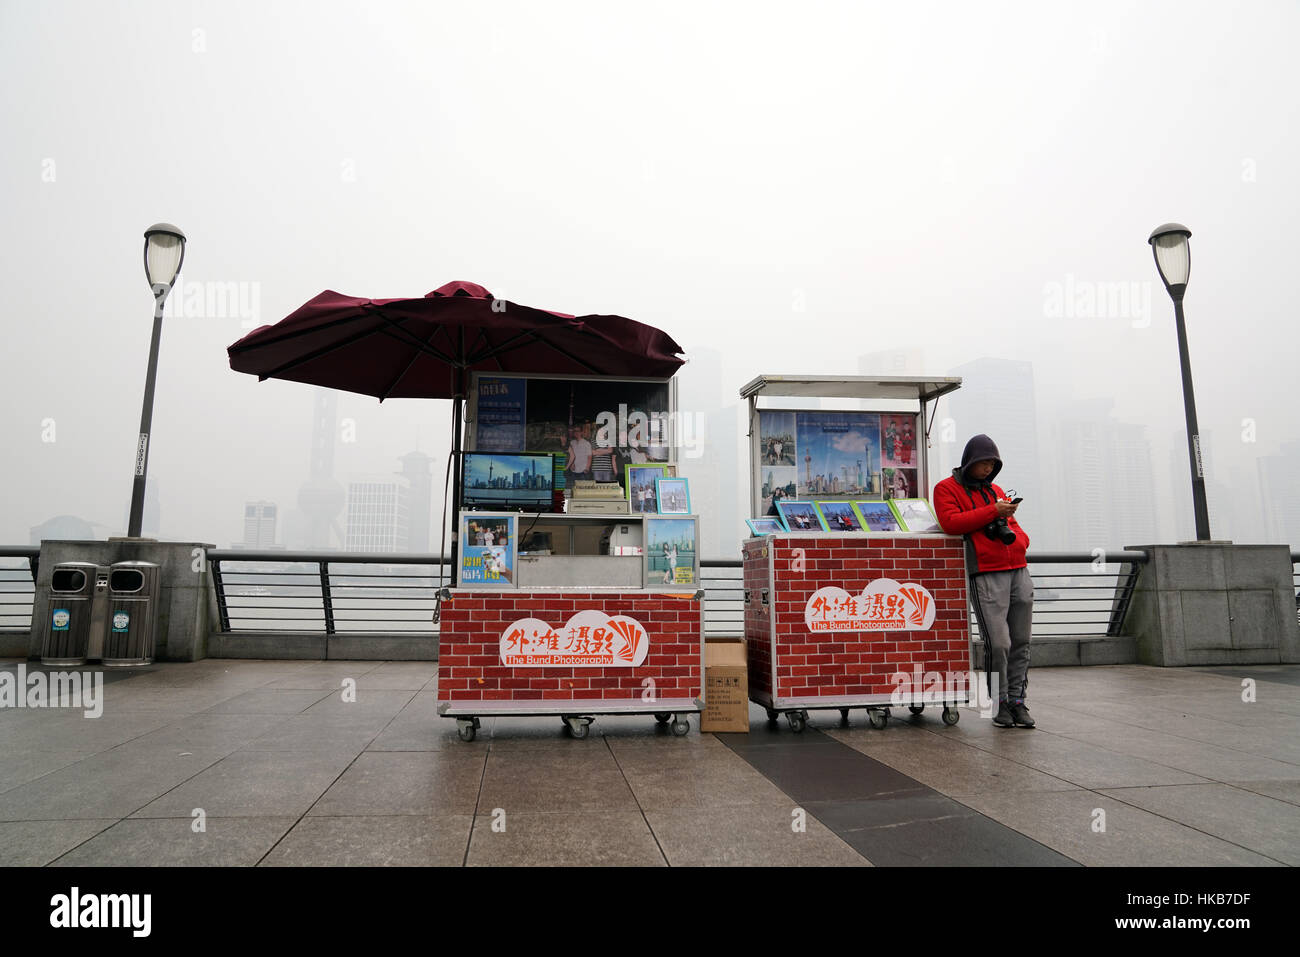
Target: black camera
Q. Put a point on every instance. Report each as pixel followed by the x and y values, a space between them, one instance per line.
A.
pixel 999 530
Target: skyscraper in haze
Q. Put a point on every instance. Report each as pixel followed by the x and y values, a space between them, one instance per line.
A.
pixel 416 468
pixel 1278 498
pixel 378 514
pixel 997 399
pixel 1106 487
pixel 259 524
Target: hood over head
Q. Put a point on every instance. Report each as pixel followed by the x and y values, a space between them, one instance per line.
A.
pixel 978 449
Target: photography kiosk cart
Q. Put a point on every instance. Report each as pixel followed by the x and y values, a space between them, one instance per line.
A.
pixel 578 626
pixel 843 620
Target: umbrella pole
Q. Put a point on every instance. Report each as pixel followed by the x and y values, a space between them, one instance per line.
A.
pixel 455 477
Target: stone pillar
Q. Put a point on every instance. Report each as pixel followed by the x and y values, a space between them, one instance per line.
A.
pixel 183 612
pixel 1214 603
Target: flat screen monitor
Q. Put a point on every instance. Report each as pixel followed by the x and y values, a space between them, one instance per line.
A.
pixel 503 481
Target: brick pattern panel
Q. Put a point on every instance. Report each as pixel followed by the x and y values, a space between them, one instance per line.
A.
pixel 470 668
pixel 758 618
pixel 841 664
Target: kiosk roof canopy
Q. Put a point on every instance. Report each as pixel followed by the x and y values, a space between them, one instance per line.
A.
pixel 918 388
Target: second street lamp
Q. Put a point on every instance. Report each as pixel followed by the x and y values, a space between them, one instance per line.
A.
pixel 164 251
pixel 1174 261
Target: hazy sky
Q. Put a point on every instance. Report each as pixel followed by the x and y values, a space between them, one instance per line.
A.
pixel 789 186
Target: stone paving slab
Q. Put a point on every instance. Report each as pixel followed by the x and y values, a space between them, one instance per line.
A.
pixel 405 783
pixel 397 841
pixel 593 838
pixel 172 842
pixel 37 843
pixel 1253 821
pixel 254 784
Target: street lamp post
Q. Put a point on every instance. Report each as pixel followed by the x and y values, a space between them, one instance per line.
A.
pixel 164 250
pixel 1174 262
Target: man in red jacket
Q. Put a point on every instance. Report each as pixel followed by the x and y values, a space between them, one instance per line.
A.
pixel 970 505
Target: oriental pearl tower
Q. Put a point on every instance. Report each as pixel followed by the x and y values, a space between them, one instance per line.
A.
pixel 807 468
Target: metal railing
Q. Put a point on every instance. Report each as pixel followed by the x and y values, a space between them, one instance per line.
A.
pixel 17 586
pixel 356 594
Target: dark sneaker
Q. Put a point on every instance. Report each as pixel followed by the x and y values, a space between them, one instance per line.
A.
pixel 1020 714
pixel 1004 718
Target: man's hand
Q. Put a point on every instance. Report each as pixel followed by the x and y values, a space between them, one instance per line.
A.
pixel 1006 508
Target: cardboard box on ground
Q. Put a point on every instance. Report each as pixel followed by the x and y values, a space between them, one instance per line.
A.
pixel 726 687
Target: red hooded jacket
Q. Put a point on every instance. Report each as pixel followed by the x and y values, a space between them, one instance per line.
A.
pixel 964 506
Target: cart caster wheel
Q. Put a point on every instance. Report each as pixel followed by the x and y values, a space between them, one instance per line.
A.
pixel 878 718
pixel 466 730
pixel 797 721
pixel 662 717
pixel 681 726
pixel 951 716
pixel 916 708
pixel 844 714
pixel 773 716
pixel 578 726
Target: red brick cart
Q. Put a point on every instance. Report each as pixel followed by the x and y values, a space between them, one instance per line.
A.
pixel 655 641
pixel 866 618
pixel 818 639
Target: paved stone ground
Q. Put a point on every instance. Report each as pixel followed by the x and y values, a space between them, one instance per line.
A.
pixel 1181 770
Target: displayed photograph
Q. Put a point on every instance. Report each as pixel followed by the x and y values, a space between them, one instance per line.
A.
pixel 898 441
pixel 764 526
pixel 487 550
pixel 915 515
pixel 899 483
pixel 602 425
pixel 670 552
pixel 776 438
pixel 501 481
pixel 839 453
pixel 839 516
pixel 778 485
pixel 674 496
pixel 800 517
pixel 877 516
pixel 639 482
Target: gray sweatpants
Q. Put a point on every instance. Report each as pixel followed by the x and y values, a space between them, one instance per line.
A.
pixel 1005 606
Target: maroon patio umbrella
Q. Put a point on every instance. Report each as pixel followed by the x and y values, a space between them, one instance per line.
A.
pixel 425 348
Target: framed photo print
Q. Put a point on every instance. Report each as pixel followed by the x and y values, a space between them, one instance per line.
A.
pixel 877 516
pixel 674 495
pixel 839 516
pixel 488 548
pixel 801 517
pixel 640 485
pixel 915 515
pixel 764 526
pixel 671 556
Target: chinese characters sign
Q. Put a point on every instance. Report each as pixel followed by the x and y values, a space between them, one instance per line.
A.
pixel 884 605
pixel 590 639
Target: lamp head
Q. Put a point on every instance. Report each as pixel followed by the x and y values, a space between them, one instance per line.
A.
pixel 164 251
pixel 1173 256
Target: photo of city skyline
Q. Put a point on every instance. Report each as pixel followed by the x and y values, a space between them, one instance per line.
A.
pixel 838 453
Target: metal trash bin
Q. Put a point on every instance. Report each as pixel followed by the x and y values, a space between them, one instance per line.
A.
pixel 132 614
pixel 67 636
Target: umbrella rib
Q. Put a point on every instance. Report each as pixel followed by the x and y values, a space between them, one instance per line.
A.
pixel 564 352
pixel 511 344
